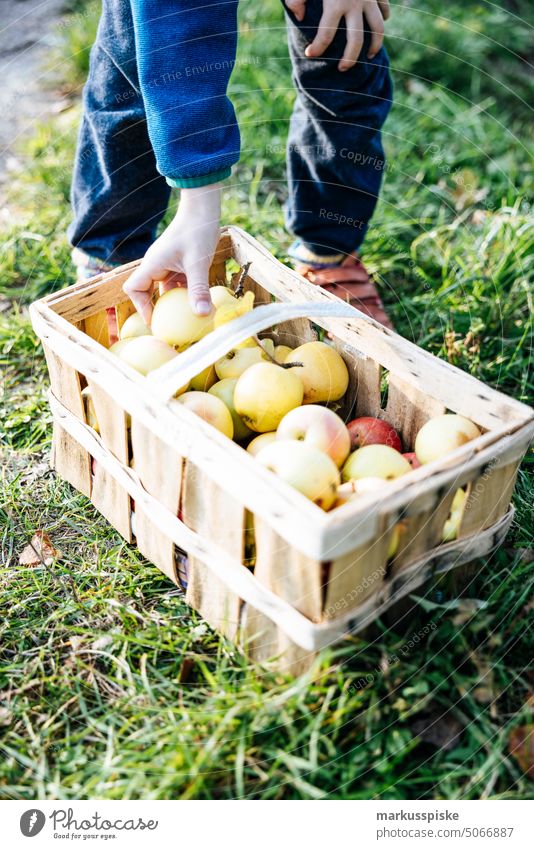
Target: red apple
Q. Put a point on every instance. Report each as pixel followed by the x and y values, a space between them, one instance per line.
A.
pixel 317 426
pixel 411 456
pixel 370 431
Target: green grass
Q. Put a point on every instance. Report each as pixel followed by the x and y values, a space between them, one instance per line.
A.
pixel 110 687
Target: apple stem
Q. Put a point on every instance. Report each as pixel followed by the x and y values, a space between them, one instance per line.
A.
pixel 239 290
pixel 272 359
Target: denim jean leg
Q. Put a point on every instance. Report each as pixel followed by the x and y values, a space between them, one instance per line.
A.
pixel 335 159
pixel 118 196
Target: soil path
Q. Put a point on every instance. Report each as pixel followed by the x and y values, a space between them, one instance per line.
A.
pixel 28 29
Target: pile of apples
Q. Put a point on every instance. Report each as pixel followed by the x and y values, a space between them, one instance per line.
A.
pixel 272 400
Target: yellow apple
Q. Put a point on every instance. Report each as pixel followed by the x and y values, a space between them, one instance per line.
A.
pixel 451 527
pixel 268 346
pixel 146 353
pixel 393 546
pixel 221 295
pixel 233 308
pixel 261 441
pixel 281 352
pixel 224 389
pixel 237 361
pixel 378 461
pixel 119 346
pixel 174 322
pixel 211 409
pixel 303 467
pixel 90 413
pixel 319 427
pixel 204 380
pixel 353 488
pixel 323 374
pixel 134 326
pixel 443 434
pixel 264 394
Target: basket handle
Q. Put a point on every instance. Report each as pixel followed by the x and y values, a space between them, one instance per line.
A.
pixel 167 379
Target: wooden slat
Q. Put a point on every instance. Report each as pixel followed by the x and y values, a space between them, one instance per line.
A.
pixel 96 326
pixel 71 462
pixel 422 532
pixel 207 509
pixel 69 459
pixel 408 408
pixel 295 578
pixel 160 469
pixel 65 383
pixel 356 576
pixel 294 333
pixel 489 498
pixel 107 495
pixel 124 311
pixel 264 643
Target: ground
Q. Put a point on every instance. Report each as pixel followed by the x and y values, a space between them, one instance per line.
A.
pixel 110 687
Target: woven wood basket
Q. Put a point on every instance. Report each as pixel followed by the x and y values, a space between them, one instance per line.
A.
pixel 261 563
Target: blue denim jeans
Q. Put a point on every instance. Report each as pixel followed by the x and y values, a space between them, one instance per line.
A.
pixel 335 158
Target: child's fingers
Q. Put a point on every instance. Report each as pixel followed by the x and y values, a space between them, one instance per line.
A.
pixel 376 25
pixel 384 8
pixel 328 26
pixel 138 287
pixel 353 47
pixel 198 288
pixel 298 7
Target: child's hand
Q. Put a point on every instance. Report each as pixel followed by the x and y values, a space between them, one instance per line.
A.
pixel 183 253
pixel 375 11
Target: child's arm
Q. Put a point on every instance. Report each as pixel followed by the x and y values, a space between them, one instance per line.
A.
pixel 186 53
pixel 186 247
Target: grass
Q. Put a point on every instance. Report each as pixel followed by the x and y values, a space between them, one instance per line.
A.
pixel 110 687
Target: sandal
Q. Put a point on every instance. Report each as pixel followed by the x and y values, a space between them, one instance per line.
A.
pixel 350 281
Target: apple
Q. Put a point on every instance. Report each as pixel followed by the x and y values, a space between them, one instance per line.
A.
pixel 237 361
pixel 281 352
pixel 134 326
pixel 380 461
pixel 119 346
pixel 89 407
pixel 451 527
pixel 323 373
pixel 211 409
pixel 317 426
pixel 221 295
pixel 146 353
pixel 303 467
pixel 224 389
pixel 412 459
pixel 259 442
pixel 264 394
pixel 174 322
pixel 443 434
pixel 363 486
pixel 204 380
pixel 268 346
pixel 233 308
pixel 367 430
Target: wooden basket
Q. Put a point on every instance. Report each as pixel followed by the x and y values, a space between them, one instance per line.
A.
pixel 265 566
